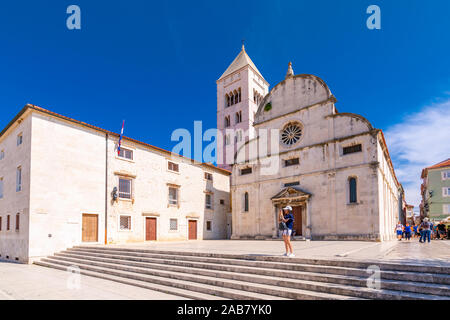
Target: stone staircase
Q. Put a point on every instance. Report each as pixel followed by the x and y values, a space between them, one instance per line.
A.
pixel 209 276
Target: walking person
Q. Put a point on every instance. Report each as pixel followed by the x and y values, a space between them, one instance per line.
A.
pixel 416 231
pixel 408 231
pixel 399 230
pixel 286 220
pixel 426 232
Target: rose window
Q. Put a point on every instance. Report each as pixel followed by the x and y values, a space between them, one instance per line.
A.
pixel 291 134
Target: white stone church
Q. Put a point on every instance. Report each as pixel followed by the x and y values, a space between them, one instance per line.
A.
pixel 333 168
pixel 63 183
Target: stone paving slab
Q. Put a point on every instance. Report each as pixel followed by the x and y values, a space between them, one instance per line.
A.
pixel 31 282
pixel 435 253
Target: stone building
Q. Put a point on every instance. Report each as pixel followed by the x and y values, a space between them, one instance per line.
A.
pixel 333 168
pixel 239 91
pixel 63 183
pixel 435 191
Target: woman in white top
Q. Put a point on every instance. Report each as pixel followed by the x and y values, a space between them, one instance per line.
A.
pixel 399 230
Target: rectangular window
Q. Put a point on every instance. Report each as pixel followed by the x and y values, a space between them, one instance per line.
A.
pixel 445 174
pixel 19 139
pixel 17 222
pixel 126 153
pixel 173 166
pixel 291 184
pixel 222 201
pixel 446 192
pixel 19 179
pixel 173 224
pixel 125 191
pixel 445 209
pixel 1 188
pixel 125 223
pixel 208 201
pixel 246 171
pixel 173 195
pixel 208 225
pixel 291 162
pixel 7 222
pixel 352 149
pixel 208 176
pixel 2 154
pixel 1 224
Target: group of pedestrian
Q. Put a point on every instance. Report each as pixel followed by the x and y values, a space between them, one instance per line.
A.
pixel 425 231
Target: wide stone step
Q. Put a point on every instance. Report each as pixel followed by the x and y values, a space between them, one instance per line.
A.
pixel 444 269
pixel 189 295
pixel 196 282
pixel 197 268
pixel 287 264
pixel 211 277
pixel 174 287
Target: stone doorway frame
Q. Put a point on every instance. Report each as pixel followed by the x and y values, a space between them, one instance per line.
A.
pixel 293 197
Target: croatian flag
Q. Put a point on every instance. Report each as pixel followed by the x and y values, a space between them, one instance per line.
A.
pixel 120 138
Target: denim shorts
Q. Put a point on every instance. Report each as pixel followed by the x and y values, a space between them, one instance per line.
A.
pixel 287 232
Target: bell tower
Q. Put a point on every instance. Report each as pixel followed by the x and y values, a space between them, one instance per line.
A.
pixel 240 89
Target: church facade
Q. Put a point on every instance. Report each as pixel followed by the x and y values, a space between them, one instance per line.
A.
pixel 333 168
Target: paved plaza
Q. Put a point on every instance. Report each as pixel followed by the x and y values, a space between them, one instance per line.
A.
pixel 436 252
pixel 31 282
pixel 19 281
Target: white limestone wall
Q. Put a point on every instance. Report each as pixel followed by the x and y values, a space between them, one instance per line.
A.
pixel 14 243
pixel 67 180
pixel 324 172
pixel 150 188
pixel 388 196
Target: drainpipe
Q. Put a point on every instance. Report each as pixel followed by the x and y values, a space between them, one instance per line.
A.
pixel 106 190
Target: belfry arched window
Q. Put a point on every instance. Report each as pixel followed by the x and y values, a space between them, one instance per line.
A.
pixel 352 190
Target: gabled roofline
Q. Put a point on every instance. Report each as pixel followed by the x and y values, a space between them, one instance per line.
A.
pixel 59 116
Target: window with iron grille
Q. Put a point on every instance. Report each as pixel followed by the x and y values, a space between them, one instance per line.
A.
pixel 172 166
pixel 208 176
pixel 173 195
pixel 246 171
pixel 125 190
pixel 352 149
pixel 291 162
pixel 208 201
pixel 291 184
pixel 125 223
pixel 208 225
pixel 173 224
pixel 126 153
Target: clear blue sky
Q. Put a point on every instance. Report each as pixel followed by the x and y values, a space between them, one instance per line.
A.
pixel 155 64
